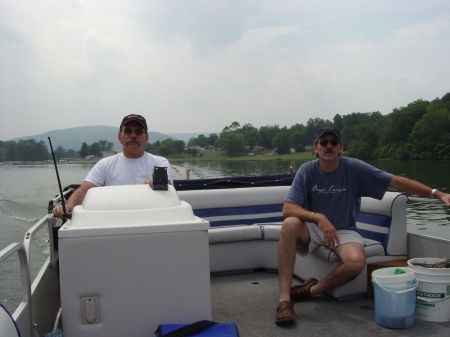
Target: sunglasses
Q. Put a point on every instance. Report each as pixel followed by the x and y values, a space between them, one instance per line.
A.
pixel 333 142
pixel 137 132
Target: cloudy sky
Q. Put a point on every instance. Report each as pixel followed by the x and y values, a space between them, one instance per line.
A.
pixel 199 65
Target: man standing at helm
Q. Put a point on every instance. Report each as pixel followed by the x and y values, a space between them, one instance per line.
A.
pixel 131 166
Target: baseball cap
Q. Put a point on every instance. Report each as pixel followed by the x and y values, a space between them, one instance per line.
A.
pixel 134 118
pixel 328 128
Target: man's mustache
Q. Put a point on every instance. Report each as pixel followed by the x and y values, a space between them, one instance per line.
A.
pixel 133 140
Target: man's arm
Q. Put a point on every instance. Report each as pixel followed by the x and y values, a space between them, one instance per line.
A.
pixel 330 235
pixel 75 199
pixel 296 211
pixel 414 187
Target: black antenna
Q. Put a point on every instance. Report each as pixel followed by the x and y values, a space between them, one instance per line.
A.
pixel 59 181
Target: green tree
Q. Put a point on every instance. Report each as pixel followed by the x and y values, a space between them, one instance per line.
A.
pixel 232 142
pixel 297 136
pixel 192 142
pixel 212 139
pixel 247 128
pixel 312 125
pixel 359 149
pixel 430 134
pixel 30 150
pixel 202 141
pixel 3 149
pixel 105 145
pixel 41 151
pixel 60 152
pixel 400 123
pixel 281 142
pixel 177 146
pixel 148 147
pixel 234 126
pixel 102 144
pixel 350 124
pixel 11 152
pixel 193 152
pixel 84 151
pixel 25 149
pixel 366 145
pixel 217 145
pixel 165 148
pixel 171 146
pixel 154 146
pixel 338 121
pixel 267 133
pixel 71 153
pixel 445 99
pixel 252 138
pixel 297 139
pixel 95 149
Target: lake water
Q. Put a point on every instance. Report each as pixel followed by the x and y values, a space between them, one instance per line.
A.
pixel 26 189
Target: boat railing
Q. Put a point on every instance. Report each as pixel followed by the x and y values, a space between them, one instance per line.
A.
pixel 23 311
pixel 51 223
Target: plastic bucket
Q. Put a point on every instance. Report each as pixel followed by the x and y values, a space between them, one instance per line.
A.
pixel 433 292
pixel 395 297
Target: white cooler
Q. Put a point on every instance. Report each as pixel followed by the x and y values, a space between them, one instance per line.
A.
pixel 132 258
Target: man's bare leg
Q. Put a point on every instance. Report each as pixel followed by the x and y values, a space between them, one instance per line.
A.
pixel 353 261
pixel 293 233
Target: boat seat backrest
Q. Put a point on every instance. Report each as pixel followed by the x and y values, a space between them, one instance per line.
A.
pixel 237 206
pixel 385 221
pixel 379 220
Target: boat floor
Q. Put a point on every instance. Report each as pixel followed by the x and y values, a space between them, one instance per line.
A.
pixel 250 301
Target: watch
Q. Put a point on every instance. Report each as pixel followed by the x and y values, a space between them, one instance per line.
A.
pixel 433 192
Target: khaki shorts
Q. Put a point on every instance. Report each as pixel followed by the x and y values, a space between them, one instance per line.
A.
pixel 317 239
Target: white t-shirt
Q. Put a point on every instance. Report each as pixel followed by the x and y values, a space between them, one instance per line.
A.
pixel 120 170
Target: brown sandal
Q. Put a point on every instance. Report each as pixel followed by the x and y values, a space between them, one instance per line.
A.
pixel 285 313
pixel 303 292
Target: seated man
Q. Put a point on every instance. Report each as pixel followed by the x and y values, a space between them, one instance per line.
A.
pixel 321 210
pixel 131 166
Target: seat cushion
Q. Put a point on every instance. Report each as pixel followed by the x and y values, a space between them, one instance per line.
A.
pixel 234 234
pixel 271 232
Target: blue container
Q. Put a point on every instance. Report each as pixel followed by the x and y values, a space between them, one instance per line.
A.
pixel 220 329
pixel 395 297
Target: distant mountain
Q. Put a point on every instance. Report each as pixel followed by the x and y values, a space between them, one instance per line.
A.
pixel 73 138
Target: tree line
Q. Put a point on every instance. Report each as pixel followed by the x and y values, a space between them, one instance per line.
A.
pixel 420 130
pixel 31 150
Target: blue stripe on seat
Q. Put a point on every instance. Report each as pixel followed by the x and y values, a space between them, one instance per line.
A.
pixel 382 221
pixel 252 221
pixel 247 215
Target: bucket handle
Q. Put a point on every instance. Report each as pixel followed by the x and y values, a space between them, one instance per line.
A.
pixel 430 300
pixel 396 292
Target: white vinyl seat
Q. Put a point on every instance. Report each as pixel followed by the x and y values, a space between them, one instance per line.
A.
pixel 8 325
pixel 245 227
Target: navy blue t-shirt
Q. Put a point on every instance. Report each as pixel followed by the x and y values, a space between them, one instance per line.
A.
pixel 337 195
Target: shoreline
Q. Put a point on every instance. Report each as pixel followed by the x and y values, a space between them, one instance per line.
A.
pixel 214 156
pixel 203 156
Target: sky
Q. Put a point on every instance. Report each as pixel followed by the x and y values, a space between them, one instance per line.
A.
pixel 200 65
